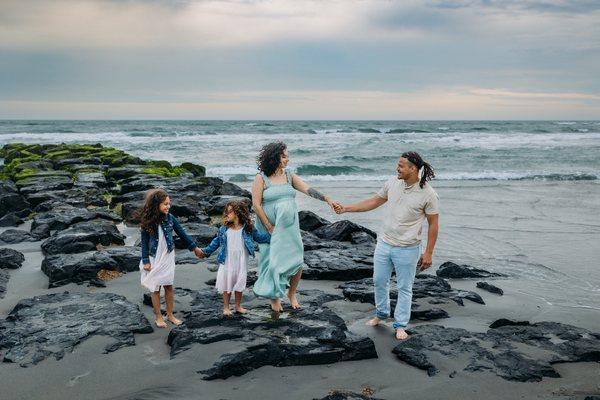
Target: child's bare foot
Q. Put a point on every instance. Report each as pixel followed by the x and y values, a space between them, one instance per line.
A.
pixel 174 320
pixel 160 322
pixel 241 310
pixel 227 312
pixel 401 334
pixel 276 305
pixel 373 322
pixel 293 301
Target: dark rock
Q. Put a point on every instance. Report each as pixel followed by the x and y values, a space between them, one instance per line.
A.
pixel 309 336
pixel 312 242
pixel 490 288
pixel 10 258
pixel 55 323
pixel 69 162
pixel 12 236
pixel 41 232
pixel 341 231
pixel 507 322
pixel 455 271
pixel 250 279
pixel 217 203
pixel 123 172
pixel 43 184
pixel 338 264
pixel 427 287
pixel 201 233
pixel 11 202
pixel 83 236
pixel 540 345
pixel 343 395
pixel 66 215
pixel 97 283
pixel 91 179
pixel 62 269
pixel 309 221
pixel 229 189
pixel 362 238
pixel 196 170
pixel 11 219
pixel 4 276
pixel 429 314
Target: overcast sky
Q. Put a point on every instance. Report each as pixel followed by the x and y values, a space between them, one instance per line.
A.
pixel 299 59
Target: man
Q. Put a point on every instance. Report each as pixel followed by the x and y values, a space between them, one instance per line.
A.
pixel 411 200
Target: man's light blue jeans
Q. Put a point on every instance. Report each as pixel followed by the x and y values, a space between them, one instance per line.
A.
pixel 404 260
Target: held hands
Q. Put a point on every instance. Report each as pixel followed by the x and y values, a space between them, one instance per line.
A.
pixel 199 253
pixel 335 206
pixel 424 262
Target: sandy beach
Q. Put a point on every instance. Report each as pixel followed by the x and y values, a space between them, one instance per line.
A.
pixel 531 293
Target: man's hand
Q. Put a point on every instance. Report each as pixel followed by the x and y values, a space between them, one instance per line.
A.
pixel 424 262
pixel 199 253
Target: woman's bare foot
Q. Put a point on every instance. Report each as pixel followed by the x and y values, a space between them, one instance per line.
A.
pixel 276 305
pixel 227 312
pixel 160 322
pixel 174 320
pixel 373 322
pixel 293 300
pixel 241 310
pixel 401 334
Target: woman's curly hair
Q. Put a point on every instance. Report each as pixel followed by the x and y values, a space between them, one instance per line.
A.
pixel 243 213
pixel 150 215
pixel 269 158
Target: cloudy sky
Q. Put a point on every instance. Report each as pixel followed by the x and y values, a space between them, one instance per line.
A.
pixel 300 59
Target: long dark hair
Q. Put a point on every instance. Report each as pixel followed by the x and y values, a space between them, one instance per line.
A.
pixel 417 161
pixel 243 213
pixel 269 158
pixel 150 215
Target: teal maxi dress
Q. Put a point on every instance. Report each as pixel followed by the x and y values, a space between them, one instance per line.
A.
pixel 284 255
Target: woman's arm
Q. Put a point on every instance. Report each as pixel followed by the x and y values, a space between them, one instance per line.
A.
pixel 303 187
pixel 257 192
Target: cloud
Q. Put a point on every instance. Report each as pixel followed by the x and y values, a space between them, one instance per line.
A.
pixel 433 103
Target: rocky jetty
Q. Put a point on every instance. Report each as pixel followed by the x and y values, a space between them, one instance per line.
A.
pixel 54 324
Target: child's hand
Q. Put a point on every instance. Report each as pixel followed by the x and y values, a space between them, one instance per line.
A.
pixel 147 267
pixel 199 253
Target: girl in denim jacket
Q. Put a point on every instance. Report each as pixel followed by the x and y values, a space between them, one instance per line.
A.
pixel 236 241
pixel 157 265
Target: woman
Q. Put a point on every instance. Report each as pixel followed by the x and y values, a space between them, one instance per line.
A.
pixel 273 200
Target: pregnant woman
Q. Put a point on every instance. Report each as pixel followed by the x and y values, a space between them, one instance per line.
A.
pixel 274 201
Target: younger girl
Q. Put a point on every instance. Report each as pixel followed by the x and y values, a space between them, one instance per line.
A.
pixel 235 238
pixel 158 256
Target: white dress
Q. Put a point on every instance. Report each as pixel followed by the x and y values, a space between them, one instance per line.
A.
pixel 231 276
pixel 163 266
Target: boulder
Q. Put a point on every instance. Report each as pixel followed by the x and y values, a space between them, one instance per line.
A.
pixel 341 231
pixel 83 236
pixel 201 233
pixel 10 258
pixel 12 219
pixel 309 221
pixel 53 324
pixel 309 336
pixel 4 277
pixel 523 353
pixel 338 264
pixel 217 203
pixel 490 288
pixel 63 216
pixel 12 236
pixel 455 271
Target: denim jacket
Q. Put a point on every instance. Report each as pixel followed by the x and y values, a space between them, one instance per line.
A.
pixel 221 241
pixel 169 224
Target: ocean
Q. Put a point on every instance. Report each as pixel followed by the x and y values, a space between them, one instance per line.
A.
pixel 518 197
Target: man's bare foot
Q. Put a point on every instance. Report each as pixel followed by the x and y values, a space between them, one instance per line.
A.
pixel 160 322
pixel 401 334
pixel 174 320
pixel 293 301
pixel 241 310
pixel 373 322
pixel 276 305
pixel 227 312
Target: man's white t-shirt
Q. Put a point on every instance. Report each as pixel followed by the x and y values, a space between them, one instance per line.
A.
pixel 407 209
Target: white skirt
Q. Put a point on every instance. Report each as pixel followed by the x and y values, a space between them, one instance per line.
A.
pixel 163 266
pixel 232 274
